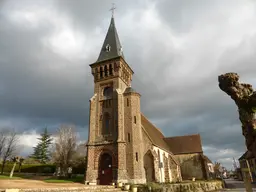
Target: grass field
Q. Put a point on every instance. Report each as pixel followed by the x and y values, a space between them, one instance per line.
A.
pixel 7 177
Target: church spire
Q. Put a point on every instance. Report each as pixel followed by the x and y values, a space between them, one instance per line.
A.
pixel 111 47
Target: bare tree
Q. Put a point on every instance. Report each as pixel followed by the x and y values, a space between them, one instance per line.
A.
pixel 217 168
pixel 65 146
pixel 79 157
pixel 9 147
pixel 2 141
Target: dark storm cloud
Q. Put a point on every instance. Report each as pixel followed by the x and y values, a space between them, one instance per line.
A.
pixel 176 48
pixel 31 89
pixel 90 14
pixel 182 15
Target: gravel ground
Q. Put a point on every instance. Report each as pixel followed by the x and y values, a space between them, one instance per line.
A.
pixel 27 183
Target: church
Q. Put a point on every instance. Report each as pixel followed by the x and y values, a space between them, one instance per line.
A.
pixel 123 145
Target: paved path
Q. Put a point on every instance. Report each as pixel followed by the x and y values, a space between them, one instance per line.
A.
pixel 236 186
pixel 33 184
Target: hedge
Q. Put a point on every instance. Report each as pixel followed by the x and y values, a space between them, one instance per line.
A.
pixel 40 168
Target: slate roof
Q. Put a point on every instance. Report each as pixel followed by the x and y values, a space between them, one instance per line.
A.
pixel 176 145
pixel 113 41
pixel 185 144
pixel 130 90
pixel 154 134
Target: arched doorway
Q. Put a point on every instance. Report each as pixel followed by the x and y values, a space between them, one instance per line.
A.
pixel 149 167
pixel 105 169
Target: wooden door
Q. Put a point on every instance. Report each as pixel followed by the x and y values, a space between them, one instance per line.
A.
pixel 105 169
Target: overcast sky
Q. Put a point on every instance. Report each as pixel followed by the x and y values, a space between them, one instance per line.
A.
pixel 177 49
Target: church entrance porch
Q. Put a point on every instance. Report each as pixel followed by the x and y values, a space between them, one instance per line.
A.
pixel 149 167
pixel 105 169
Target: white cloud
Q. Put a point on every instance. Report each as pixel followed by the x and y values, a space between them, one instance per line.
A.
pixel 29 139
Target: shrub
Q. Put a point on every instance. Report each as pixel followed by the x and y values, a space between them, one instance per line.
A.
pixel 39 168
pixel 31 168
pixel 78 170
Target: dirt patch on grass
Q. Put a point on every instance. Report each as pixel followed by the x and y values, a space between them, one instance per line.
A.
pixel 29 184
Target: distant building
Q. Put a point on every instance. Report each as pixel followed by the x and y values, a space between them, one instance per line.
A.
pixel 123 145
pixel 210 167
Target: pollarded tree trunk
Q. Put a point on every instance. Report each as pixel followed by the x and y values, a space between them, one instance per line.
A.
pixel 3 165
pixel 245 99
pixel 13 168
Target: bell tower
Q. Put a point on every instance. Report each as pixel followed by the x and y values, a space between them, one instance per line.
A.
pixel 107 135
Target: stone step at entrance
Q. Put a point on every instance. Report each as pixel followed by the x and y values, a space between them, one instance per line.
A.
pixel 95 188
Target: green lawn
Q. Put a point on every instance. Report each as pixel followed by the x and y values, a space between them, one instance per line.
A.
pixel 57 181
pixel 8 177
pixel 78 179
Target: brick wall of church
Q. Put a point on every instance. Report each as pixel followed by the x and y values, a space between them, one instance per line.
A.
pixel 133 136
pixel 128 134
pixel 147 142
pixel 93 157
pixel 148 148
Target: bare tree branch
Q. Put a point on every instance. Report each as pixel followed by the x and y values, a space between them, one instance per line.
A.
pixel 10 147
pixel 65 146
pixel 2 141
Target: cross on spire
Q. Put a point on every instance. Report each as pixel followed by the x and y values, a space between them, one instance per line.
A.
pixel 113 9
pixel 111 47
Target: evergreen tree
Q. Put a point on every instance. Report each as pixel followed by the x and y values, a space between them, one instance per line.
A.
pixel 41 151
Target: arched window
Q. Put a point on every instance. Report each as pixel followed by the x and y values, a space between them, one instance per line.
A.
pixel 107 92
pixel 106 70
pixel 96 73
pixel 110 69
pixel 106 124
pixel 159 159
pixel 101 72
